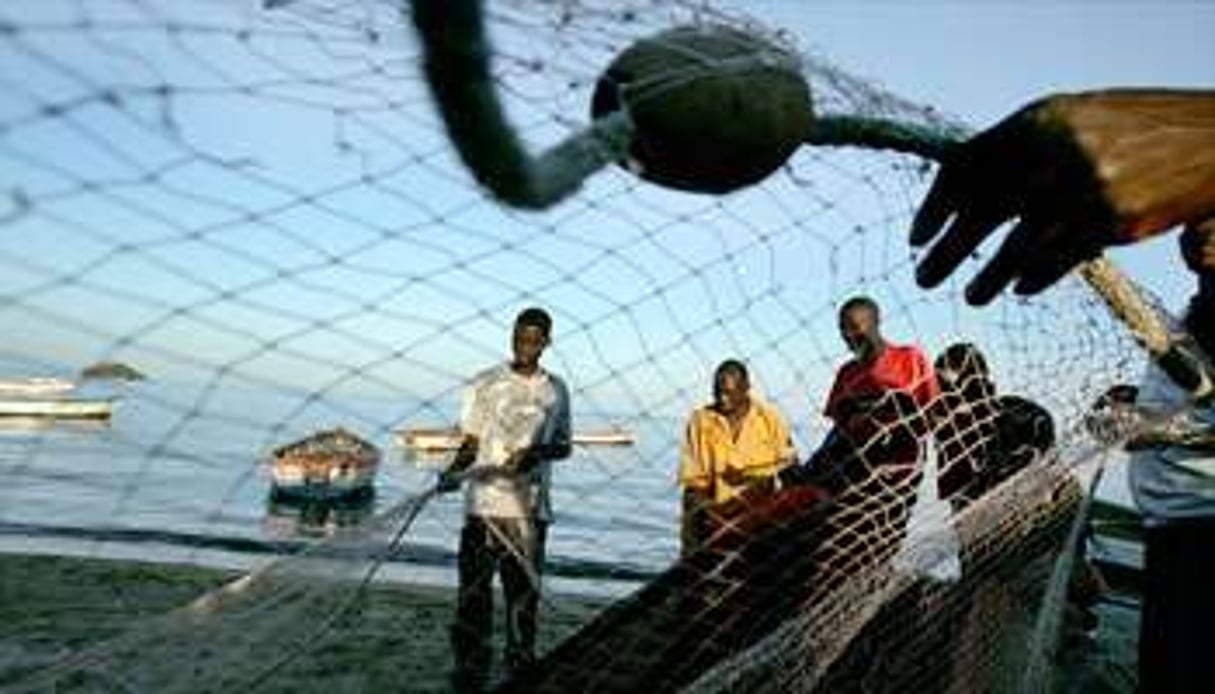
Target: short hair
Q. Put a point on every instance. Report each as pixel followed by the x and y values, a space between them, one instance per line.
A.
pixel 964 360
pixel 1191 241
pixel 536 317
pixel 731 366
pixel 861 302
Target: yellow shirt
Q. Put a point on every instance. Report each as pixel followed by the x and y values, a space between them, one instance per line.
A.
pixel 762 448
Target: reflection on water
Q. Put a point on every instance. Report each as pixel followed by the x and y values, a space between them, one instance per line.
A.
pixel 290 518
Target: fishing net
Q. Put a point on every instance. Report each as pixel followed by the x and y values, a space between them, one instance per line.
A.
pixel 258 207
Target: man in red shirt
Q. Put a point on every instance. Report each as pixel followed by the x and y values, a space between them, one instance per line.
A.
pixel 870 462
pixel 877 368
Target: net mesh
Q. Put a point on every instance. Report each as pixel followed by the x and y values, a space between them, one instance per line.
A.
pixel 257 206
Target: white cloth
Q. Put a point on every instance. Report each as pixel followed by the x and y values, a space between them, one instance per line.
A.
pixel 507 411
pixel 1172 483
pixel 931 548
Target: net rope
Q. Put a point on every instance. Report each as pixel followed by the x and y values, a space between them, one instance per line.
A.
pixel 257 206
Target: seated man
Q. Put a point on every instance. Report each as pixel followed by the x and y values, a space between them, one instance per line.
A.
pixel 733 449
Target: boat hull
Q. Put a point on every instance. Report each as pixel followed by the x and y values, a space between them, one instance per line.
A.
pixel 323 478
pixel 35 386
pixel 446 440
pixel 57 409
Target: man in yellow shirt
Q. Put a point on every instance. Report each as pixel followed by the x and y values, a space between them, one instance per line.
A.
pixel 732 452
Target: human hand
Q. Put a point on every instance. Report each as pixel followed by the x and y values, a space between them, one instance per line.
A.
pixel 734 476
pixel 519 460
pixel 1078 173
pixel 448 481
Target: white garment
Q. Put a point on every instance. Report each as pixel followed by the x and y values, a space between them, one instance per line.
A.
pixel 931 547
pixel 1172 483
pixel 507 411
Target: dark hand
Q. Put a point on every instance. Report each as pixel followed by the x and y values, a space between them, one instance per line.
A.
pixel 734 476
pixel 519 461
pixel 1078 173
pixel 1029 168
pixel 449 481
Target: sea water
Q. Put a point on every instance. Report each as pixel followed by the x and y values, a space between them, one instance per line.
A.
pixel 186 469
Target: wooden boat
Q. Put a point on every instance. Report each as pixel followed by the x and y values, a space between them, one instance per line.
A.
pixel 57 408
pixel 35 386
pixel 330 464
pixel 435 440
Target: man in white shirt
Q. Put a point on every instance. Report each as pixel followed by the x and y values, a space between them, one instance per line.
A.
pixel 515 420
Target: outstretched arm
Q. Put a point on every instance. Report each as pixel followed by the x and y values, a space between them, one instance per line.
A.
pixel 1077 173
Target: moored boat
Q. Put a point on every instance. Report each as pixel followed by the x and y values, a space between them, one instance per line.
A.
pixel 330 464
pixel 57 408
pixel 35 386
pixel 436 440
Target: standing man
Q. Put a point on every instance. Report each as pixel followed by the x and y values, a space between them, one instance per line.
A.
pixel 1173 481
pixel 733 449
pixel 871 459
pixel 515 420
pixel 877 367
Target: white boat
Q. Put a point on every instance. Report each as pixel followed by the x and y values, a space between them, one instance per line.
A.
pixel 57 408
pixel 432 440
pixel 606 437
pixel 330 464
pixel 35 386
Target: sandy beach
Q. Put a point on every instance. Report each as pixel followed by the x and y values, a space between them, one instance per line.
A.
pixel 53 606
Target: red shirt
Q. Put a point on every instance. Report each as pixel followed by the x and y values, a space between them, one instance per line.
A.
pixel 898 367
pixel 903 369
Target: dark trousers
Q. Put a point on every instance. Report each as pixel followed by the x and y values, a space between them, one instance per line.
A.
pixel 1178 608
pixel 514 547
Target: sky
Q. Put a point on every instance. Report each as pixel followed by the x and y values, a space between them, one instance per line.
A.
pixel 212 190
pixel 980 61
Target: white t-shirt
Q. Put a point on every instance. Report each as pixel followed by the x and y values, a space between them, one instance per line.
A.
pixel 507 411
pixel 1172 483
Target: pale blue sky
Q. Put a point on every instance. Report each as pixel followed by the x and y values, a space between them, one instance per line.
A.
pixel 981 60
pixel 288 212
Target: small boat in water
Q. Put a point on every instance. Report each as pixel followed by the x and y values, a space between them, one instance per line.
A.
pixel 49 398
pixel 57 408
pixel 35 386
pixel 434 440
pixel 330 464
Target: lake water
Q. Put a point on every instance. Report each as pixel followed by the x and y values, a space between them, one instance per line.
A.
pixel 187 467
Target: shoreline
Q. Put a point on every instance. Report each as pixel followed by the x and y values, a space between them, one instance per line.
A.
pixel 53 608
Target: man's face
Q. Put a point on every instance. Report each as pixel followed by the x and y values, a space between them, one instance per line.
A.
pixel 859 328
pixel 527 344
pixel 731 393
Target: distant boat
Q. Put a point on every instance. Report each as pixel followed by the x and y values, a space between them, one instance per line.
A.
pixel 57 408
pixel 35 386
pixel 434 440
pixel 330 464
